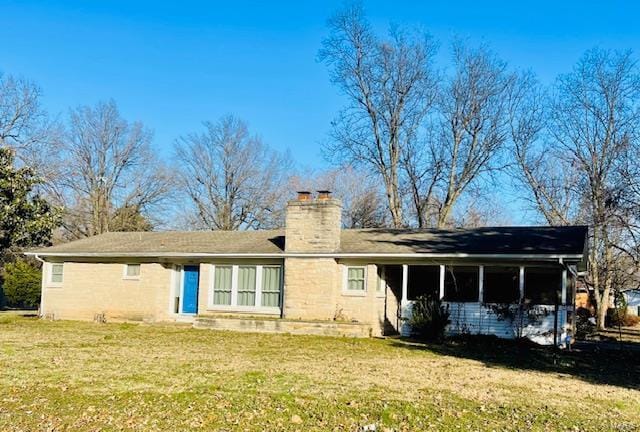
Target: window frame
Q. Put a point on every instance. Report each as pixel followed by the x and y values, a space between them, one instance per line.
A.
pixel 345 281
pixel 257 307
pixel 125 274
pixel 562 286
pixel 484 285
pixel 437 291
pixel 50 281
pixel 478 275
pixel 253 291
pixel 280 284
pixel 214 268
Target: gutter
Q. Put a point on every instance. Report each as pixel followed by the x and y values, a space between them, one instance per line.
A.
pixel 559 257
pixel 37 257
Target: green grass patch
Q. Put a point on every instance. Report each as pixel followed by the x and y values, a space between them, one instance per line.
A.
pixel 69 376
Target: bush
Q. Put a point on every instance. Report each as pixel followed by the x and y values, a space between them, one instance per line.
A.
pixel 619 317
pixel 631 320
pixel 584 328
pixel 429 318
pixel 21 284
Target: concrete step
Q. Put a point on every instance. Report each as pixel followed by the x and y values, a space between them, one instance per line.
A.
pixel 270 325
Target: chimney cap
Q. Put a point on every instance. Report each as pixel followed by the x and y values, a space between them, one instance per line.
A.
pixel 304 195
pixel 324 194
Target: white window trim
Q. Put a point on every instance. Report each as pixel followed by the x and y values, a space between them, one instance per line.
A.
pixel 126 276
pixel 257 308
pixel 50 282
pixel 345 282
pixel 176 289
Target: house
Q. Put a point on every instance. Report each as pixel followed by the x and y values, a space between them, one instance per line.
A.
pixel 315 277
pixel 632 298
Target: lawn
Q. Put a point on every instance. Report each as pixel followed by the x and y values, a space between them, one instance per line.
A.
pixel 59 376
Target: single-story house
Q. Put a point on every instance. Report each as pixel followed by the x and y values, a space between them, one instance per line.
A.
pixel 315 277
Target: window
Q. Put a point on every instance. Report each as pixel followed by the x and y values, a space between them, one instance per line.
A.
pixel 246 286
pixel 423 280
pixel 57 273
pixel 132 271
pixel 501 284
pixel 271 286
pixel 222 285
pixel 542 285
pixel 461 284
pixel 356 279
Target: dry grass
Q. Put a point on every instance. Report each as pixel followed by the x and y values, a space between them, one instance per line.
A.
pixel 89 377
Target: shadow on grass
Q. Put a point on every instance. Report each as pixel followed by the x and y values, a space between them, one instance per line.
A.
pixel 592 363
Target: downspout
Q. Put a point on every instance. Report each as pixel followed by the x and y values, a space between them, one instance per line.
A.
pixel 41 314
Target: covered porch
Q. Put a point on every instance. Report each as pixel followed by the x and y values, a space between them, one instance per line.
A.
pixel 507 299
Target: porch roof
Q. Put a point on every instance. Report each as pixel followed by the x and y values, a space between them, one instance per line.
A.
pixel 511 241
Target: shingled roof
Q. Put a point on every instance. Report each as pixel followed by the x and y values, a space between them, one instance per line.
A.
pixel 479 241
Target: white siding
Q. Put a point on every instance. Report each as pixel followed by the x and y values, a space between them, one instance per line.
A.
pixel 478 318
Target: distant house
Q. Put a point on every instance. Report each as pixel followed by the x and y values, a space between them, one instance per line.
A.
pixel 314 277
pixel 632 298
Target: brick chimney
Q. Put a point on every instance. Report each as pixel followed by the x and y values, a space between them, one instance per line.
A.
pixel 313 224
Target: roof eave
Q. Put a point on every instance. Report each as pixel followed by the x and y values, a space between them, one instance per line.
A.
pixel 529 256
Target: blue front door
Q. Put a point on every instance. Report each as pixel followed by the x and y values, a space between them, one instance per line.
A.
pixel 190 291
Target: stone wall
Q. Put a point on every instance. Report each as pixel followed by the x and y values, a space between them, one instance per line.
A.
pixel 313 225
pixel 246 324
pixel 310 288
pixel 314 290
pixel 90 289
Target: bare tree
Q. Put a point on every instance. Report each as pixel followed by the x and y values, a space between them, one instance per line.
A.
pixel 390 86
pixel 596 120
pixel 232 180
pixel 477 208
pixel 473 119
pixel 130 218
pixel 109 165
pixel 579 167
pixel 25 126
pixel 551 180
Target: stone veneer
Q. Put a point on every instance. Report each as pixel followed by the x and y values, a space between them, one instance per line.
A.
pixel 90 289
pixel 313 226
pixel 313 286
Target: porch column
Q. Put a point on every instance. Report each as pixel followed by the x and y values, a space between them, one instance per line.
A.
pixel 441 293
pixel 480 283
pixel 405 279
pixel 521 283
pixel 563 297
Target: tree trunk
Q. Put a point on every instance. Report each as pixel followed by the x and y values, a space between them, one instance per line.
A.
pixel 447 206
pixel 443 216
pixel 606 291
pixel 603 305
pixel 395 209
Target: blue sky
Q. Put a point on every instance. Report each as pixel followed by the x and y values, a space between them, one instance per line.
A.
pixel 174 64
